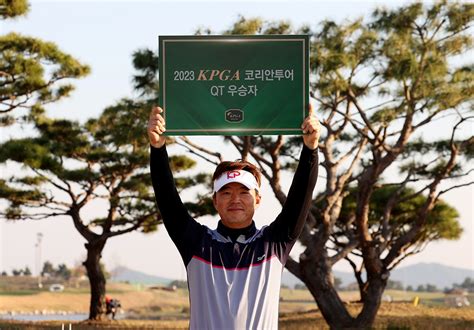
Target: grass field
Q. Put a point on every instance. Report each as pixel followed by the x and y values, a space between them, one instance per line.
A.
pixel 159 309
pixel 391 316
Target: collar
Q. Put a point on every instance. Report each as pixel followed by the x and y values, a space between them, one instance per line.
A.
pixel 233 234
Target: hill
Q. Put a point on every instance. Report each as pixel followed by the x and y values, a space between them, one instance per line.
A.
pixel 418 274
pixel 124 274
pixel 432 273
pixel 441 276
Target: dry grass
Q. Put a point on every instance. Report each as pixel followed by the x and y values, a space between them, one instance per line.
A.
pixel 109 325
pixel 391 316
pixel 297 309
pixel 74 302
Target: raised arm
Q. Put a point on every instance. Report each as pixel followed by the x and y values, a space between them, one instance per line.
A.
pixel 181 227
pixel 169 202
pixel 289 223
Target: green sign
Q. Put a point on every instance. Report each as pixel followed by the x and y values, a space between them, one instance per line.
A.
pixel 234 85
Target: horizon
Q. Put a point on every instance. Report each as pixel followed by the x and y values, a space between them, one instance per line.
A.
pixel 338 271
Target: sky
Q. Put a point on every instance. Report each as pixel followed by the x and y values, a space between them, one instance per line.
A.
pixel 104 34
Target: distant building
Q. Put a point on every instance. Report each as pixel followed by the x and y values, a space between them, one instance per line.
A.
pixel 456 298
pixel 56 287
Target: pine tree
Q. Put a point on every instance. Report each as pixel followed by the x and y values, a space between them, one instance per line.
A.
pixel 33 72
pixel 378 84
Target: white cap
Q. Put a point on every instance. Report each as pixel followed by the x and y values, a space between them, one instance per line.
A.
pixel 240 176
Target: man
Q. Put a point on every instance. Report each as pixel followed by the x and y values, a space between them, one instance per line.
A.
pixel 111 306
pixel 234 272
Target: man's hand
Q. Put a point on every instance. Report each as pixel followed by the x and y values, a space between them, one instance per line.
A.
pixel 156 128
pixel 311 130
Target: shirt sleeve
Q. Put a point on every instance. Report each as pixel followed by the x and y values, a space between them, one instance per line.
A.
pixel 289 223
pixel 182 228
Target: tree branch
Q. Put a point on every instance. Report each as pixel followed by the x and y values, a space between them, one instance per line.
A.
pixel 130 229
pixel 342 254
pixel 455 187
pixel 293 267
pixel 188 144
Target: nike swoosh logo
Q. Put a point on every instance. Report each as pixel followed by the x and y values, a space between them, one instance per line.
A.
pixel 261 258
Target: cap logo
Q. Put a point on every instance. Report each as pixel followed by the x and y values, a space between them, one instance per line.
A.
pixel 243 177
pixel 232 174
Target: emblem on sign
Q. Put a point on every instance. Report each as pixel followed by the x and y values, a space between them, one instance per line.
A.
pixel 234 115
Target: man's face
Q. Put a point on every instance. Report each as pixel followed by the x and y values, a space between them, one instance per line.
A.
pixel 236 205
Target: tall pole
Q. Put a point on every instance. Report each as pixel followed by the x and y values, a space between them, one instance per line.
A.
pixel 39 237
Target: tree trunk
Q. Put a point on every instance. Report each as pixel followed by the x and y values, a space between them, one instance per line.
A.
pixel 96 279
pixel 317 276
pixel 371 303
